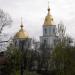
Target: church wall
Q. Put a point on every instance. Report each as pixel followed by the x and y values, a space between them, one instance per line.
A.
pixel 49 30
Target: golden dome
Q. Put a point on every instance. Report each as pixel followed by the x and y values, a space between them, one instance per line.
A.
pixel 21 34
pixel 48 19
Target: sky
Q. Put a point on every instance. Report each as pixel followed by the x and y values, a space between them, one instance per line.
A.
pixel 33 13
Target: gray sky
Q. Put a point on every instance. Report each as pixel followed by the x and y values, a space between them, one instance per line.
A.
pixel 33 13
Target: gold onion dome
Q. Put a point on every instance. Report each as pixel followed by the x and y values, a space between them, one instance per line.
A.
pixel 22 34
pixel 48 19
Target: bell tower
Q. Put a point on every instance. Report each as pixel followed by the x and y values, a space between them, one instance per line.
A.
pixel 49 31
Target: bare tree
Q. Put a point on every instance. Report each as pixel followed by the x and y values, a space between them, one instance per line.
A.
pixel 61 30
pixel 5 20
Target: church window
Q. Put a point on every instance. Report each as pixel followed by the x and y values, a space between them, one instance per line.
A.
pixel 45 31
pixel 50 30
pixel 53 30
pixel 15 43
pixel 44 41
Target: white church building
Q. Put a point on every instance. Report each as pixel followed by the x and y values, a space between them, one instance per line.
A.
pixel 48 38
pixel 49 31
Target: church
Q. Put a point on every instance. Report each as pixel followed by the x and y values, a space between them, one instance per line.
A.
pixel 21 38
pixel 49 31
pixel 48 38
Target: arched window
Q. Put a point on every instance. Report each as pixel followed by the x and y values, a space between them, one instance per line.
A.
pixel 45 41
pixel 45 31
pixel 53 30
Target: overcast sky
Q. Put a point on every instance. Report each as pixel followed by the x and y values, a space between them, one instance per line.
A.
pixel 33 13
